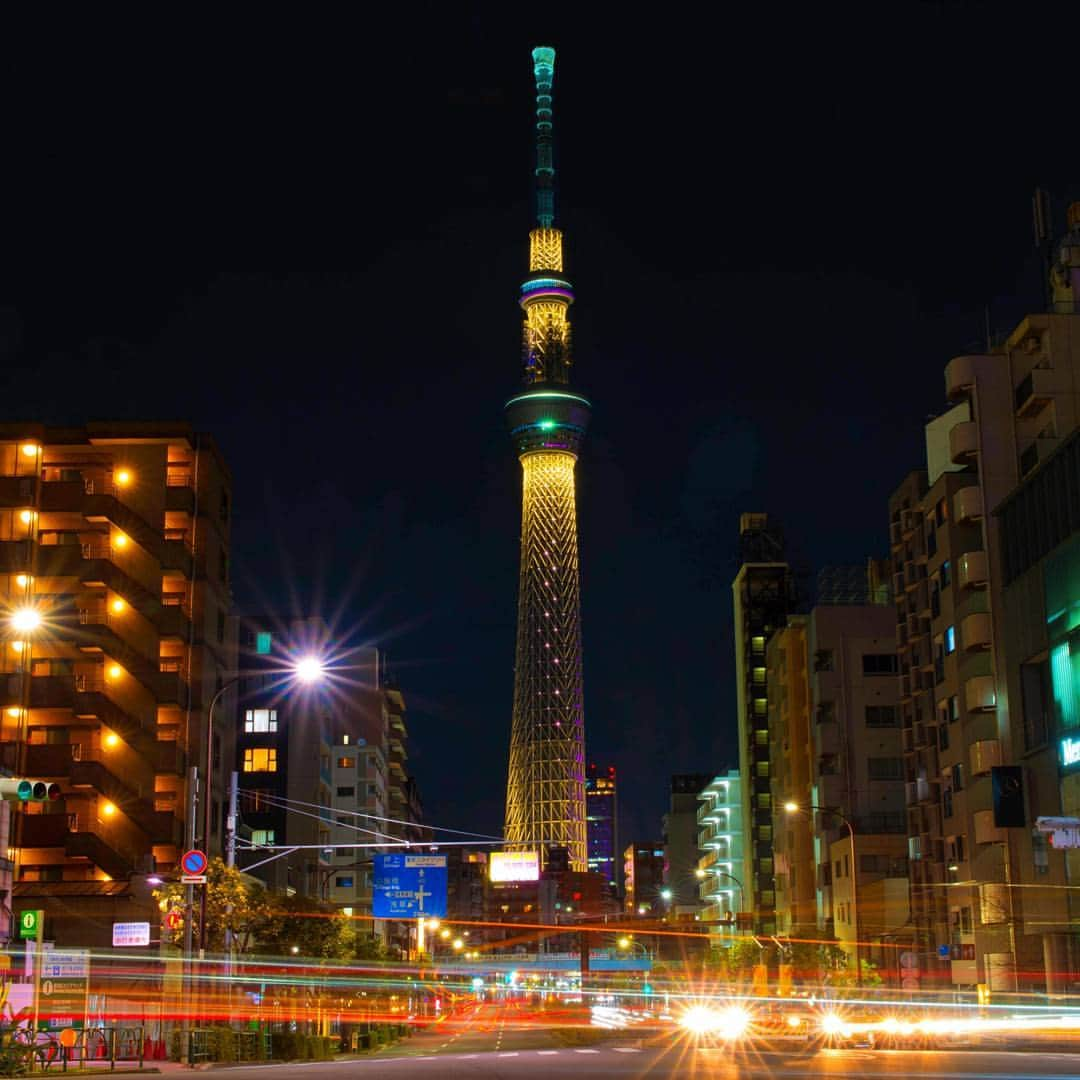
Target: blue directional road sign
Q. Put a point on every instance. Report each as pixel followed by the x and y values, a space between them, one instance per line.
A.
pixel 408 886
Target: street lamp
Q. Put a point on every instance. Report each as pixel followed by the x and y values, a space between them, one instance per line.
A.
pixel 629 943
pixel 307 670
pixel 26 620
pixel 794 808
pixel 665 895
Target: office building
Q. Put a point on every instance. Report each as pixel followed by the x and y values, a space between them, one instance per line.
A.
pixel 643 878
pixel 961 706
pixel 602 817
pixel 764 594
pixel 681 851
pixel 114 560
pixel 545 794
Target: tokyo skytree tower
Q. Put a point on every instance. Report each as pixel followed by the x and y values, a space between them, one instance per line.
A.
pixel 545 792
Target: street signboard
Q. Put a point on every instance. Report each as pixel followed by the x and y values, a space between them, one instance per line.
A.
pixel 30 922
pixel 192 879
pixel 130 933
pixel 65 981
pixel 193 862
pixel 409 886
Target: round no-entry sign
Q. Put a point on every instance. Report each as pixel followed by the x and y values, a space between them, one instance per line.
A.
pixel 193 862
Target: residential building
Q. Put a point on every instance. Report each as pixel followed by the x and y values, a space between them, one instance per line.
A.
pixel 681 851
pixel 602 818
pixel 643 877
pixel 117 536
pixel 764 595
pixel 791 754
pixel 1011 409
pixel 720 838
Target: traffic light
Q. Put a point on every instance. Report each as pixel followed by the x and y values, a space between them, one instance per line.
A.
pixel 25 791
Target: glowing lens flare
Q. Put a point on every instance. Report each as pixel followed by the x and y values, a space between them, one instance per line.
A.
pixel 26 620
pixel 729 1023
pixel 309 669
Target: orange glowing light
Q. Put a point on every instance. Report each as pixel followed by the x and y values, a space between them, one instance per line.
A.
pixel 123 478
pixel 111 739
pixel 118 606
pixel 115 671
pixel 107 809
pixel 120 540
pixel 31 449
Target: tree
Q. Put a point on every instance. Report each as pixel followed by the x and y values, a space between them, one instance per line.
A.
pixel 313 929
pixel 233 902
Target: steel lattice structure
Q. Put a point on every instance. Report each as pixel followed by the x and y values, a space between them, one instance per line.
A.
pixel 545 794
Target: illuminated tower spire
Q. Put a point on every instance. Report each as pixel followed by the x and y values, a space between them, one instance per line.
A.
pixel 545 794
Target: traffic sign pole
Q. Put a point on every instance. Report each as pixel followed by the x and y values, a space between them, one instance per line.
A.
pixel 39 948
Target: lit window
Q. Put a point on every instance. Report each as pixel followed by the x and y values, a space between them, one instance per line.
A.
pixel 757 644
pixel 345 762
pixel 260 759
pixel 343 882
pixel 262 836
pixel 759 674
pixel 950 639
pixel 260 720
pixel 344 740
pixel 263 640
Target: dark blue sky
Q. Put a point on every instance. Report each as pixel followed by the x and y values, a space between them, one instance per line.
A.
pixel 780 228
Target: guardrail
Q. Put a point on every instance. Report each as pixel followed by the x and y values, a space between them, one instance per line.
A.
pixel 54 1050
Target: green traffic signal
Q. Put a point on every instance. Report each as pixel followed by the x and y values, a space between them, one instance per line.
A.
pixel 37 791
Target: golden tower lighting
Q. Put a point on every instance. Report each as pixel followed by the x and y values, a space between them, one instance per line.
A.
pixel 545 793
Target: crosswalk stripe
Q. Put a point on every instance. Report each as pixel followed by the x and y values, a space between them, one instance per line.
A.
pixel 586 1051
pixel 546 1053
pixel 511 1053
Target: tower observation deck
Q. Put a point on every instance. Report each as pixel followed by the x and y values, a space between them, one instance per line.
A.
pixel 547 418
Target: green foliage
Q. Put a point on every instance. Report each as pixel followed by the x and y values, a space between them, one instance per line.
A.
pixel 314 929
pixel 233 902
pixel 295 1046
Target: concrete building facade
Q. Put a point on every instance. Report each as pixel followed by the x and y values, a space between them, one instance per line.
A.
pixel 681 833
pixel 114 543
pixel 720 838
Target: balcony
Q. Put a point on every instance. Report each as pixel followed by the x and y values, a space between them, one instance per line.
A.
pixel 1034 393
pixel 96 500
pixel 97 633
pixel 964 442
pixel 169 757
pixel 976 632
pixel 86 696
pixel 968 504
pixel 960 376
pixel 64 831
pixel 171 683
pixel 986 832
pixel 16 491
pixel 180 496
pixel 984 756
pixel 176 552
pixel 94 564
pixel 15 556
pixel 980 694
pixel 971 570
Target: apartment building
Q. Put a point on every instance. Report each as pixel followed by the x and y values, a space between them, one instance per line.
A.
pixel 1011 408
pixel 720 838
pixel 643 877
pixel 114 537
pixel 681 852
pixel 764 595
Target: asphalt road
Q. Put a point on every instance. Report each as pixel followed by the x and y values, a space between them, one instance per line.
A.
pixel 500 1042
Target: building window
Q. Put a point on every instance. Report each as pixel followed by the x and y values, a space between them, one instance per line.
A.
pixel 260 759
pixel 343 882
pixel 882 716
pixel 935 597
pixel 761 706
pixel 943 737
pixel 260 837
pixel 946 573
pixel 826 712
pixel 260 720
pixel 346 792
pixel 757 645
pixel 885 768
pixel 346 762
pixel 879 664
pixel 263 642
pixel 954 709
pixel 950 639
pixel 1035 698
pixel 958 777
pixel 823 660
pixel 758 675
pixel 941 511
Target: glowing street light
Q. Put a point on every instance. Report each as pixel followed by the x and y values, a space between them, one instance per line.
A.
pixel 458 944
pixel 26 620
pixel 309 669
pixel 665 894
pixel 700 874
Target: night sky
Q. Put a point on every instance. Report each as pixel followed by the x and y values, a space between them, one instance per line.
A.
pixel 780 227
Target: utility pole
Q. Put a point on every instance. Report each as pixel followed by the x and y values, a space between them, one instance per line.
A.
pixel 230 821
pixel 189 913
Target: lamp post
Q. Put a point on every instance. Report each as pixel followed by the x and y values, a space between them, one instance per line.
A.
pixel 629 943
pixel 308 670
pixel 795 808
pixel 732 877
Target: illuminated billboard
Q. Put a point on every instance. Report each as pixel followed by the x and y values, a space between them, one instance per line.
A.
pixel 515 866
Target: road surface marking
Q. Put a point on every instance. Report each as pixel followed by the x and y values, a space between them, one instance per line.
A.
pixel 546 1053
pixel 510 1053
pixel 626 1050
pixel 586 1051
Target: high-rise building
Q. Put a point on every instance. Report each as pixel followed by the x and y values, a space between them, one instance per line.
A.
pixel 720 838
pixel 545 796
pixel 965 713
pixel 602 815
pixel 838 758
pixel 681 851
pixel 114 562
pixel 643 877
pixel 764 594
